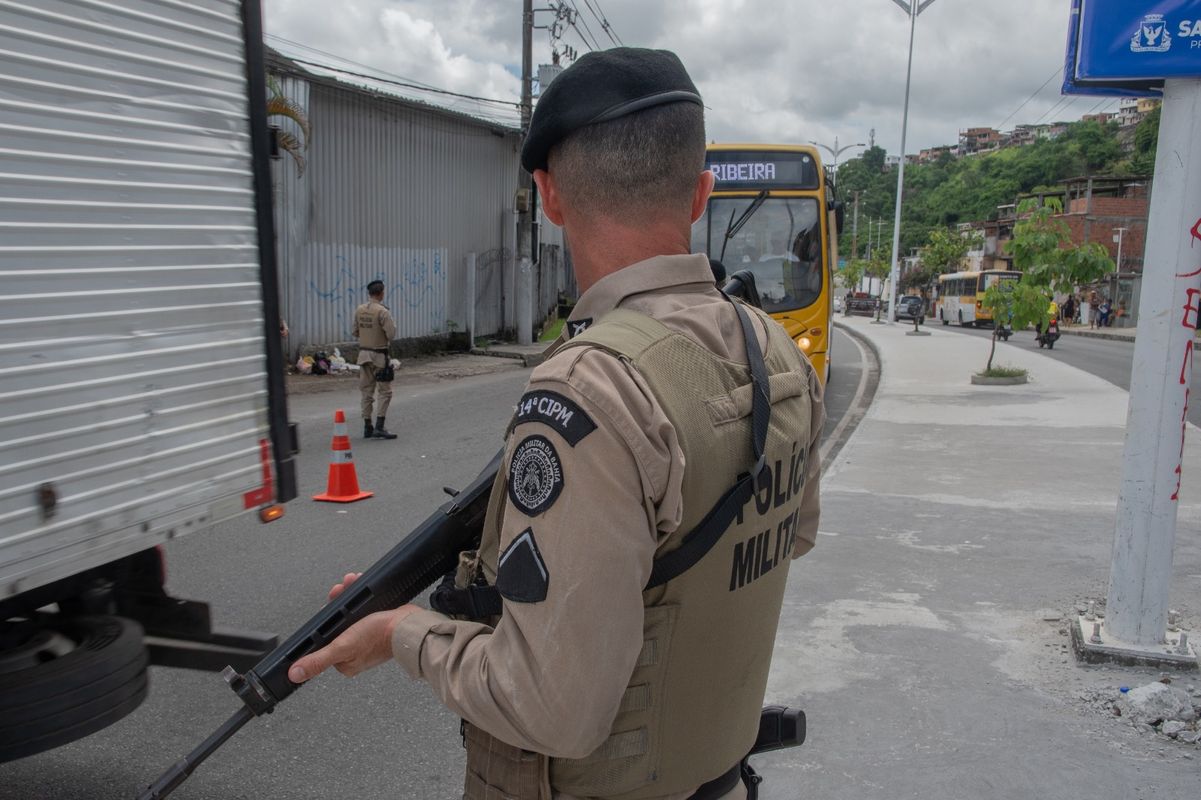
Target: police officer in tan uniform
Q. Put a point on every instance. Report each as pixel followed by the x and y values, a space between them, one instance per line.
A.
pixel 375 330
pixel 611 637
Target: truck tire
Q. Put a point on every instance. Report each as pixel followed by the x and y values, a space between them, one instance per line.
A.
pixel 71 678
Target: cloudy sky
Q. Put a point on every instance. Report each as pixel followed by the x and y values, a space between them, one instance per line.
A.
pixel 769 70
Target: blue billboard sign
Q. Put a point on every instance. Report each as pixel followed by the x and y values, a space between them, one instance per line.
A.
pixel 1117 44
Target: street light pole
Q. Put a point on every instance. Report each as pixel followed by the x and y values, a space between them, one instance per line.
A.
pixel 913 9
pixel 835 152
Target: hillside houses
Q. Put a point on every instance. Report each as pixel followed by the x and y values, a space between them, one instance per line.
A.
pixel 974 141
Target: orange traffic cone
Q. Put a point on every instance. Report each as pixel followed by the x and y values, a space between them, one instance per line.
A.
pixel 343 483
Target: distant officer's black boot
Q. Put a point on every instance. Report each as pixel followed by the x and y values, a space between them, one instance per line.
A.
pixel 368 431
pixel 380 431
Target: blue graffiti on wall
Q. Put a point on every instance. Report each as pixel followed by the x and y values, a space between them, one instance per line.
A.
pixel 419 284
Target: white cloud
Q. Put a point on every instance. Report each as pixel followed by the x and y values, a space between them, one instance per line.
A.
pixel 769 70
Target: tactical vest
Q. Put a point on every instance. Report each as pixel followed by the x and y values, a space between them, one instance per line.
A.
pixel 372 335
pixel 691 709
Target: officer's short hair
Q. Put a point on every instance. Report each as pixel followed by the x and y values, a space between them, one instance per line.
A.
pixel 375 288
pixel 637 165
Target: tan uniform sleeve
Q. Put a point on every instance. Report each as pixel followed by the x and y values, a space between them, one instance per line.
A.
pixel 387 325
pixel 810 511
pixel 550 677
pixel 354 330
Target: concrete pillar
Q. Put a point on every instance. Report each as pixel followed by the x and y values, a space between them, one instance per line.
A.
pixel 1169 304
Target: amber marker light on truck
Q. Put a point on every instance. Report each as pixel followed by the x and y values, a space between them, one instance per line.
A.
pixel 804 343
pixel 271 513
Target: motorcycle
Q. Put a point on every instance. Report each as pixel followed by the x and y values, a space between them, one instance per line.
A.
pixel 1004 332
pixel 1048 337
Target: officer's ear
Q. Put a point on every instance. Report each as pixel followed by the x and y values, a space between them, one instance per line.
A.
pixel 700 195
pixel 548 195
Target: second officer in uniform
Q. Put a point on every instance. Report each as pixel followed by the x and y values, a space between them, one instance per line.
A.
pixel 660 473
pixel 375 330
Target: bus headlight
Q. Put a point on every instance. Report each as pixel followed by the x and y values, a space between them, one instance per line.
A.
pixel 804 343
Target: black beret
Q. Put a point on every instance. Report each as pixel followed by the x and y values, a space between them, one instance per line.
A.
pixel 604 85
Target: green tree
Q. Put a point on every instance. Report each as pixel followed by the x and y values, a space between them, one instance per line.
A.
pixel 1017 304
pixel 853 272
pixel 1146 138
pixel 1042 249
pixel 878 266
pixel 943 252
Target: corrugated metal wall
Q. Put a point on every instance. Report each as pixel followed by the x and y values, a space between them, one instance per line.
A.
pixel 399 193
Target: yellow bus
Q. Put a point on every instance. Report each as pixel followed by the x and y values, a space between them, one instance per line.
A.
pixel 961 295
pixel 773 213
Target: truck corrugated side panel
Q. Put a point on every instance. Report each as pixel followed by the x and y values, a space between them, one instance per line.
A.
pixel 133 388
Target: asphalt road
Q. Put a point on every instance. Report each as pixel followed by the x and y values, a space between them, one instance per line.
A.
pixel 1109 359
pixel 377 736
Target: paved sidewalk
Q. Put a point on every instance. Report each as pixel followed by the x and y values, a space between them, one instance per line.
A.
pixel 925 635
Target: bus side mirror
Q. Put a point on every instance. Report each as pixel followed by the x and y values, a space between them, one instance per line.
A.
pixel 840 216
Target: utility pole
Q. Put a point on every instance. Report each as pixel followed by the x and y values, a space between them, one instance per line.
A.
pixel 525 190
pixel 855 230
pixel 1117 237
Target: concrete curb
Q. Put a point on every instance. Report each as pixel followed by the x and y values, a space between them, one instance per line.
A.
pixel 985 380
pixel 1096 334
pixel 528 357
pixel 865 393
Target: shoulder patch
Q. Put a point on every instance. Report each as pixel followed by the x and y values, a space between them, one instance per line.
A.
pixel 521 574
pixel 535 475
pixel 576 327
pixel 556 411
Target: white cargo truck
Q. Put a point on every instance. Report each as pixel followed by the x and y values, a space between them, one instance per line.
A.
pixel 141 366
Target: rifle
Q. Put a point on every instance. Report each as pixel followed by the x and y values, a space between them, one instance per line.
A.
pixel 421 558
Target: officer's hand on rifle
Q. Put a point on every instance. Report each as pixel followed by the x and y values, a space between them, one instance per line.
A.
pixel 363 646
pixel 338 588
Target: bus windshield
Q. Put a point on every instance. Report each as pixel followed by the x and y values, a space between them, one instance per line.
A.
pixel 988 279
pixel 780 243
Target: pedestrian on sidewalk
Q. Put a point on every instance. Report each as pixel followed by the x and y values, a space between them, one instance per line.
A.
pixel 618 453
pixel 1103 313
pixel 1094 308
pixel 1069 309
pixel 375 330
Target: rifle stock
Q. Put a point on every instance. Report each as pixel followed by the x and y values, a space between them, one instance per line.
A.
pixel 422 557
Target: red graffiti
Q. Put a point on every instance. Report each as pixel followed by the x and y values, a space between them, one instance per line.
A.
pixel 1192 274
pixel 1196 232
pixel 1183 428
pixel 1192 309
pixel 1186 367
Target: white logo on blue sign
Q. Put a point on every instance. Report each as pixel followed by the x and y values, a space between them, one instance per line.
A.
pixel 1152 35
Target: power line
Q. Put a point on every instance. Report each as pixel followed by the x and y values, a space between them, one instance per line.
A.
pixel 346 60
pixel 1057 108
pixel 392 79
pixel 406 85
pixel 604 23
pixel 1057 71
pixel 580 17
